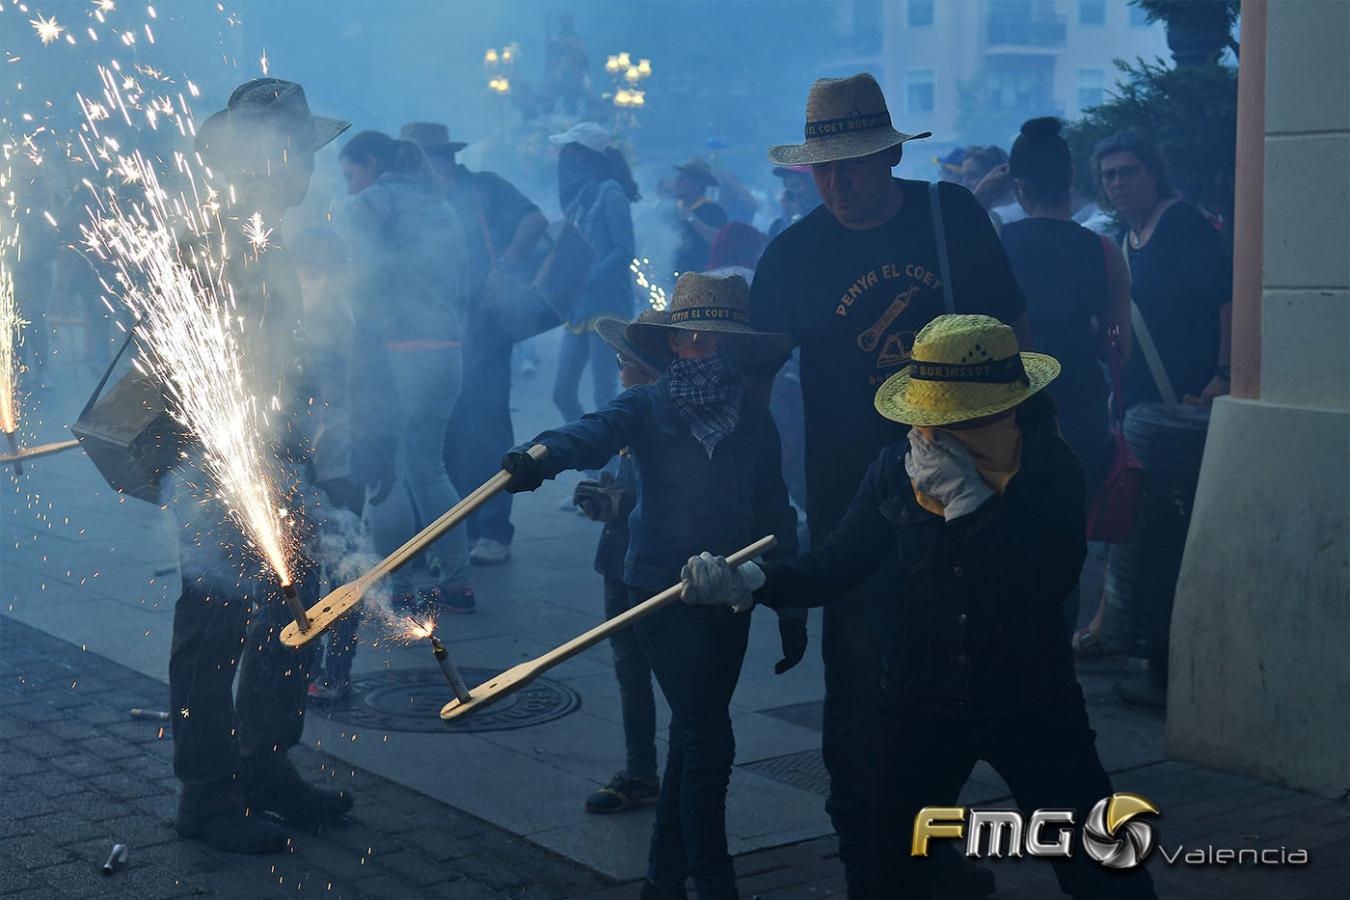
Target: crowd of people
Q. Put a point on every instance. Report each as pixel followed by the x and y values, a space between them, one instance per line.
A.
pixel 927 370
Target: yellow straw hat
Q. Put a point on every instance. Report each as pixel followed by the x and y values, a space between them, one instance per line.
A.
pixel 963 367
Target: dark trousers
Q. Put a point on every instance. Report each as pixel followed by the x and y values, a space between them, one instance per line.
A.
pixel 220 738
pixel 852 655
pixel 637 702
pixel 1046 754
pixel 480 431
pixel 696 653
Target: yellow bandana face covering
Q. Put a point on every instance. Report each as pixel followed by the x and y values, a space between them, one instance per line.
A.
pixel 996 449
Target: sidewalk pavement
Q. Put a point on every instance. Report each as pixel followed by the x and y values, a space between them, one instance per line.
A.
pixel 79 774
pixel 474 812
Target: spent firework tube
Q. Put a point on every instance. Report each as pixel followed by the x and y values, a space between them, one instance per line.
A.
pixel 296 605
pixel 14 449
pixel 451 673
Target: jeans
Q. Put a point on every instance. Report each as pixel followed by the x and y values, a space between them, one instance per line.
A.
pixel 696 653
pixel 218 737
pixel 480 429
pixel 576 351
pixel 852 656
pixel 1048 756
pixel 426 385
pixel 637 703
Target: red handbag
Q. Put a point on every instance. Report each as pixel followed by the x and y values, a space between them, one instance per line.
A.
pixel 1110 518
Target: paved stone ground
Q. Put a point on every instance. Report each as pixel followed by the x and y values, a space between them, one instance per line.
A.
pixel 78 775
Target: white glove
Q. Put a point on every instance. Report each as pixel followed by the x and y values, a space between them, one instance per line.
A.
pixel 710 580
pixel 945 471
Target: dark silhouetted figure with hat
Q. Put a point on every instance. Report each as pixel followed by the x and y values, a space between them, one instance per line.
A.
pixel 700 217
pixel 706 461
pixel 983 504
pixel 230 749
pixel 852 283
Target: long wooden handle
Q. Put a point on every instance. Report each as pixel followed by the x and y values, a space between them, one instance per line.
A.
pixel 38 452
pixel 522 674
pixel 339 601
pixel 452 517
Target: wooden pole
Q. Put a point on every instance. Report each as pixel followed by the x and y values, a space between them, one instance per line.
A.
pixel 28 453
pixel 341 600
pixel 518 676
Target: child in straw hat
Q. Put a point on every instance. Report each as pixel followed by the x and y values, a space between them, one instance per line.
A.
pixel 985 504
pixel 709 478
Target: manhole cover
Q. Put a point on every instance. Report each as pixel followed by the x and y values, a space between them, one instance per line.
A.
pixel 411 700
pixel 804 771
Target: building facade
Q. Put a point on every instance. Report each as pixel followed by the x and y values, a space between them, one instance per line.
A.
pixel 971 71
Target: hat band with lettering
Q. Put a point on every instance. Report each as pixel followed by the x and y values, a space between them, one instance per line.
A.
pixel 848 125
pixel 997 371
pixel 709 313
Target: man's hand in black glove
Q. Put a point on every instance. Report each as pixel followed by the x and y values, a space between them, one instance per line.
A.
pixel 526 472
pixel 793 633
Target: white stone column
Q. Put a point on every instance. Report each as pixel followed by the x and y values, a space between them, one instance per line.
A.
pixel 1260 645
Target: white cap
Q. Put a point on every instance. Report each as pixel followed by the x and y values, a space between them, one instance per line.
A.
pixel 587 134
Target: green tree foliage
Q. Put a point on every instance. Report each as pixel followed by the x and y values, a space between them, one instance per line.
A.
pixel 1190 113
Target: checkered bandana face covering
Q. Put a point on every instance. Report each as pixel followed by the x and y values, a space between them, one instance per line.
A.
pixel 707 396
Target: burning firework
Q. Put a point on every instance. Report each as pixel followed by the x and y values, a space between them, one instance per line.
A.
pixel 11 339
pixel 170 279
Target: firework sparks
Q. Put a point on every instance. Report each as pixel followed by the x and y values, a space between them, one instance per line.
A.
pixel 47 29
pixel 656 295
pixel 258 236
pixel 184 308
pixel 11 339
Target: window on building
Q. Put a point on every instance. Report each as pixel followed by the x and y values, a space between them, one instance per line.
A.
pixel 919 13
pixel 1138 17
pixel 1091 12
pixel 919 91
pixel 1091 88
pixel 1021 83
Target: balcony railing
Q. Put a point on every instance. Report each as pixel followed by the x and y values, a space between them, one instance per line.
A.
pixel 1015 26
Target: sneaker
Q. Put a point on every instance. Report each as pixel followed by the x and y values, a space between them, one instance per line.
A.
pixel 623 793
pixel 327 693
pixel 460 601
pixel 487 552
pixel 282 791
pixel 235 830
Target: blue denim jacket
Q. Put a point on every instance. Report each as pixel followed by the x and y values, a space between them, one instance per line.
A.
pixel 687 503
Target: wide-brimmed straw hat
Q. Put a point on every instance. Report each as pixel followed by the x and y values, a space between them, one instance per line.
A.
pixel 845 118
pixel 614 331
pixel 267 103
pixel 699 170
pixel 963 367
pixel 432 137
pixel 711 304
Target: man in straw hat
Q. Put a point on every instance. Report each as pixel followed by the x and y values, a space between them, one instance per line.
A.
pixel 700 217
pixel 503 226
pixel 230 753
pixel 707 465
pixel 984 504
pixel 852 282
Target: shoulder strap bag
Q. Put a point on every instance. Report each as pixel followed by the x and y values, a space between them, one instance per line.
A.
pixel 940 235
pixel 1146 345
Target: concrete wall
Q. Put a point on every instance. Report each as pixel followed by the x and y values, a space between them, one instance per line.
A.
pixel 1260 658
